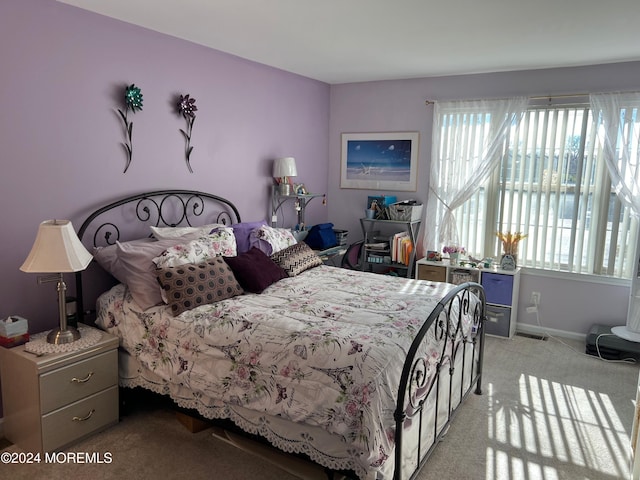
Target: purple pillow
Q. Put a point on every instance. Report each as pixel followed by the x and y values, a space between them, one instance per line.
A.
pixel 242 232
pixel 254 270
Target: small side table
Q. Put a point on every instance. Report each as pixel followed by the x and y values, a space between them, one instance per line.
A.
pixel 56 399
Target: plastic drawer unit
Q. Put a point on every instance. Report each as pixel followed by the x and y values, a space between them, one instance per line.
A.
pixel 498 321
pixel 498 288
pixel 501 290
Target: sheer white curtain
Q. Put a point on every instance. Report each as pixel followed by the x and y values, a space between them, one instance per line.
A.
pixel 617 116
pixel 468 143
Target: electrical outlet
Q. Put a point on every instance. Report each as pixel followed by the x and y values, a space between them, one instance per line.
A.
pixel 532 309
pixel 535 298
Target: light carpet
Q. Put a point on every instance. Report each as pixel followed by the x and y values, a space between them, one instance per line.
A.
pixel 547 412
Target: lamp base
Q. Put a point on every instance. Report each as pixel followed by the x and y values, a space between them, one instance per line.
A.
pixel 58 336
pixel 624 332
pixel 284 189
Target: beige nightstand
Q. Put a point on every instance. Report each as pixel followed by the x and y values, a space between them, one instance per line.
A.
pixel 53 400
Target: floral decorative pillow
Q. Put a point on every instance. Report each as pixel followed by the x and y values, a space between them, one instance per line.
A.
pixel 270 240
pixel 242 231
pixel 220 242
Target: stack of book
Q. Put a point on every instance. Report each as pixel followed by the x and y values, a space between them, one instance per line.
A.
pixel 401 248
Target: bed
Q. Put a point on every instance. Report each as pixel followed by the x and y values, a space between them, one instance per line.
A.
pixel 359 372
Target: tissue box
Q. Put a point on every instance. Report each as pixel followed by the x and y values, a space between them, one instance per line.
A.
pixel 13 327
pixel 8 342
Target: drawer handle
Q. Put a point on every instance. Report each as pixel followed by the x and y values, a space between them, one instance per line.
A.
pixel 82 380
pixel 87 417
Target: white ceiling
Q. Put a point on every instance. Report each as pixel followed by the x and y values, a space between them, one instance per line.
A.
pixel 343 41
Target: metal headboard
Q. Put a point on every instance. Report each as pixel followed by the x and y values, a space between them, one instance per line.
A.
pixel 161 208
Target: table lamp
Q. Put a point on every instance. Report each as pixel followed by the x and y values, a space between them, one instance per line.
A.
pixel 283 168
pixel 57 249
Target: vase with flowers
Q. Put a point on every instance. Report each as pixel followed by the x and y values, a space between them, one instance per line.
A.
pixel 454 252
pixel 510 243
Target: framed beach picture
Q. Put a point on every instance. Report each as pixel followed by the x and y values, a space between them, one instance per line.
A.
pixel 380 161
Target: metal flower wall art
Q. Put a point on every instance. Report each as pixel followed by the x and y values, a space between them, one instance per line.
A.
pixel 132 102
pixel 187 108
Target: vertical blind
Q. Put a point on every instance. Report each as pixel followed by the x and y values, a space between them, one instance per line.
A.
pixel 551 184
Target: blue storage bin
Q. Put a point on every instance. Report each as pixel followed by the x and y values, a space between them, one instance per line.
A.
pixel 498 288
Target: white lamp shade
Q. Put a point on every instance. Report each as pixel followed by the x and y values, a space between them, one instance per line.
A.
pixel 284 167
pixel 57 249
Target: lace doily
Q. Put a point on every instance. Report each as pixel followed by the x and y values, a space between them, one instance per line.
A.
pixel 38 342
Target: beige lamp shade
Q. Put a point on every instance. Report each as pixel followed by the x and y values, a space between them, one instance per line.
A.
pixel 57 249
pixel 284 167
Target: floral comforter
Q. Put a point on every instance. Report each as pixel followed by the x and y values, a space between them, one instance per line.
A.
pixel 325 347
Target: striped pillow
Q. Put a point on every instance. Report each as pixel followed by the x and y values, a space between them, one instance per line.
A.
pixel 296 259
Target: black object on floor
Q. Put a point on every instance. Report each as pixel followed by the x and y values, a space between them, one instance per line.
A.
pixel 611 347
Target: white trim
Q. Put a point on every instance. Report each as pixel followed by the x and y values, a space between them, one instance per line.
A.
pixel 536 330
pixel 577 277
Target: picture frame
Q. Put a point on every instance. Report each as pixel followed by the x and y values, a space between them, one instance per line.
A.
pixel 380 161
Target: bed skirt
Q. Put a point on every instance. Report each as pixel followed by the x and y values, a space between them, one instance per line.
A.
pixel 322 447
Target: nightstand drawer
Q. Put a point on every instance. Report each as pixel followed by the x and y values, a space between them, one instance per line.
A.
pixel 432 273
pixel 68 384
pixel 498 321
pixel 498 287
pixel 74 421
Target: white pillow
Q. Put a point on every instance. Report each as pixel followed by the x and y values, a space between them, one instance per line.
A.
pixel 162 233
pixel 221 242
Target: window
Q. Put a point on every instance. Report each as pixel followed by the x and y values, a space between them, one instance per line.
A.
pixel 553 185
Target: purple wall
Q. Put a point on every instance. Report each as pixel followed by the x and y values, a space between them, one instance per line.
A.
pixel 570 303
pixel 63 74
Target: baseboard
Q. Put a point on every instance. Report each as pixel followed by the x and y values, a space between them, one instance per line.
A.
pixel 541 331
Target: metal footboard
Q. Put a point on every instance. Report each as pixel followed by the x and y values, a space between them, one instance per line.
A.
pixel 427 399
